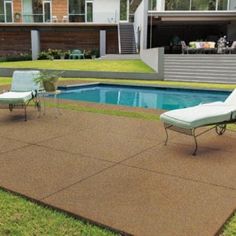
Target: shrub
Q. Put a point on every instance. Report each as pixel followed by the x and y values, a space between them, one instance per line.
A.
pixel 17 57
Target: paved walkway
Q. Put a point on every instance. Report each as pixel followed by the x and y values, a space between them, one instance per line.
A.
pixel 116 171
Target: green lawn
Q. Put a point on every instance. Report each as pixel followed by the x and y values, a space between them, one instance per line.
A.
pixel 230 227
pixel 7 80
pixel 86 65
pixel 21 217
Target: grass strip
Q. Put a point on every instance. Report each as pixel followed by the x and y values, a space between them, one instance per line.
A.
pixel 86 65
pixel 229 228
pixel 7 80
pixel 22 217
pixel 130 114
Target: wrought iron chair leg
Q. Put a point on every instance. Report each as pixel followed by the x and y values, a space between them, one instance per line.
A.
pixel 25 113
pixel 167 137
pixel 196 145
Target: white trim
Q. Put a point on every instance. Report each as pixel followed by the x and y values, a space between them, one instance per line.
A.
pixel 43 3
pixel 5 13
pixel 86 10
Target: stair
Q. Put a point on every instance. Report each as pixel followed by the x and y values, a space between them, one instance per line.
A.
pixel 127 38
pixel 214 68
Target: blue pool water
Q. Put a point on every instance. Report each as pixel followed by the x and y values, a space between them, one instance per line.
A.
pixel 139 96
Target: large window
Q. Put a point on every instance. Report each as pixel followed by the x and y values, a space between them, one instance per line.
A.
pixel 199 5
pixel 2 15
pixel 36 11
pixel 203 5
pixel 177 5
pixel 77 10
pixel 222 5
pixel 124 9
pixel 6 11
pixel 152 4
pixel 232 5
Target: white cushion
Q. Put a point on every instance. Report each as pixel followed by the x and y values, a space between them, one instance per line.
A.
pixel 24 81
pixel 16 97
pixel 197 116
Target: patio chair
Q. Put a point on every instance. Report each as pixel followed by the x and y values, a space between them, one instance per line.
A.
pixel 187 120
pixel 77 54
pixel 231 49
pixel 23 90
pixel 187 49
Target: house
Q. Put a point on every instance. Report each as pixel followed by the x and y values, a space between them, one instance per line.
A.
pixel 64 24
pixel 116 26
pixel 205 20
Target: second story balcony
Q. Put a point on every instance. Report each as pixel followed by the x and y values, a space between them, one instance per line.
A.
pixel 192 5
pixel 67 11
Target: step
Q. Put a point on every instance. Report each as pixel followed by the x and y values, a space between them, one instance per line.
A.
pixel 200 68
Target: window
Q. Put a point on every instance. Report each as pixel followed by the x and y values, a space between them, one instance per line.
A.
pixel 203 5
pixel 222 4
pixel 124 4
pixel 152 4
pixel 232 5
pixel 32 11
pixel 6 11
pixel 199 5
pixel 2 17
pixel 77 10
pixel 89 11
pixel 177 5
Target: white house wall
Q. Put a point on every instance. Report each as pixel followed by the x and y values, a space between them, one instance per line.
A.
pixel 106 11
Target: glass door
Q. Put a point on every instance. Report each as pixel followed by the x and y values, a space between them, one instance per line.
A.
pixel 8 9
pixel 124 10
pixel 89 11
pixel 47 11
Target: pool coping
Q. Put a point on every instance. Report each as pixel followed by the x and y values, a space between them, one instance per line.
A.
pixel 65 87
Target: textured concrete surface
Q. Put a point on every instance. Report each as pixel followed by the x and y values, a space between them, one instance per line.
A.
pixel 117 172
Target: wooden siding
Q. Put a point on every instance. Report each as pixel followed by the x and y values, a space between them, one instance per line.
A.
pixel 15 40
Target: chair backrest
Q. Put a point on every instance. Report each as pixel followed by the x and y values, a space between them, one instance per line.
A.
pixel 233 45
pixel 23 81
pixel 183 44
pixel 231 99
pixel 76 51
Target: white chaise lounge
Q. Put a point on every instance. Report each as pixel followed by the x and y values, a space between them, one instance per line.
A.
pixel 187 120
pixel 23 90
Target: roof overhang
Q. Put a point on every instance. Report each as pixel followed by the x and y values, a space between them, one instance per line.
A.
pixel 186 16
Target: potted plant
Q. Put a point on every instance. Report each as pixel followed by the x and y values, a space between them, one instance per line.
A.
pixel 94 53
pixel 48 80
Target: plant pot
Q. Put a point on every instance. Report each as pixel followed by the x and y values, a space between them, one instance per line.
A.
pixel 49 86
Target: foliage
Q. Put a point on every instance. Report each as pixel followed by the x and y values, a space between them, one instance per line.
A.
pixel 50 76
pixel 95 52
pixel 48 79
pixel 230 227
pixel 51 54
pixel 16 57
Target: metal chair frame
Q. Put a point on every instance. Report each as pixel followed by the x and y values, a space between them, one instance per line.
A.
pixel 220 129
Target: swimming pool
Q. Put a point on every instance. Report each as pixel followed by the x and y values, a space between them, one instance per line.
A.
pixel 141 96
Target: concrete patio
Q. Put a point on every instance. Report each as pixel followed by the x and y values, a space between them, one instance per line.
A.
pixel 116 171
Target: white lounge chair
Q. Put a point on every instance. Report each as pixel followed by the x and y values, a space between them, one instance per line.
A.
pixel 23 90
pixel 187 120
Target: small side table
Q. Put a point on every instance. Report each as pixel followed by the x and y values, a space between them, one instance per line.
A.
pixel 45 94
